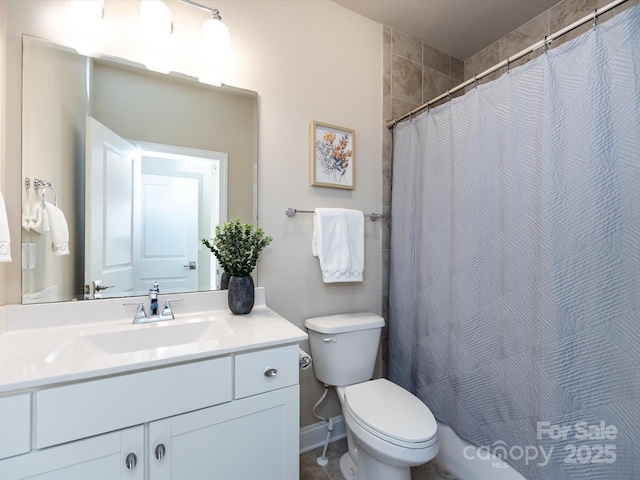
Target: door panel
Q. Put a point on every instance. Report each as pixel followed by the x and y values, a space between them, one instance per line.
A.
pixel 169 233
pixel 113 176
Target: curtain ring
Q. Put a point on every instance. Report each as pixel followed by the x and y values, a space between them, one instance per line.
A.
pixel 449 94
pixel 546 44
pixel 508 64
pixel 475 81
pixel 595 18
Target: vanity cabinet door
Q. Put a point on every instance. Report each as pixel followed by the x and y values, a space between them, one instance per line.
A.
pixel 160 450
pixel 103 457
pixel 256 437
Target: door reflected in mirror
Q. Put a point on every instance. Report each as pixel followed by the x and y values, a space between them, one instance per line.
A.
pixel 143 165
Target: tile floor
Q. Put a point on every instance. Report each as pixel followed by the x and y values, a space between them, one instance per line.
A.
pixel 310 470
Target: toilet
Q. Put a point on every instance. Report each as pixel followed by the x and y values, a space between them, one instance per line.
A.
pixel 389 430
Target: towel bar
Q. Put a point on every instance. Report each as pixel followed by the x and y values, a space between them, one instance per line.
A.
pixel 290 212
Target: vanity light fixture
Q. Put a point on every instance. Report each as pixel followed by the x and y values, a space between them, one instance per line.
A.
pixel 155 34
pixel 214 49
pixel 155 31
pixel 86 16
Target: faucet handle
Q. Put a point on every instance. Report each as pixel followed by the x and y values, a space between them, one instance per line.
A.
pixel 166 310
pixel 140 312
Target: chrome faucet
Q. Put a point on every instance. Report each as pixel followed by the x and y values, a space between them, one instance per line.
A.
pixel 153 299
pixel 154 315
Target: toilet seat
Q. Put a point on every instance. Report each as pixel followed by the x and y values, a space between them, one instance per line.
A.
pixel 391 413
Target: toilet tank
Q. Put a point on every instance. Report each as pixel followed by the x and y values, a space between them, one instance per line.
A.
pixel 344 347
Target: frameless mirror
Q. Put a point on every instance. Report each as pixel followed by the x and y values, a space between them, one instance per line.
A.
pixel 136 166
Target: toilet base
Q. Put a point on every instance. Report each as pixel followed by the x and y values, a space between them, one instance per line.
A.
pixel 371 469
pixel 347 467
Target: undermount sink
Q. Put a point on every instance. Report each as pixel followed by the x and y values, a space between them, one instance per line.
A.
pixel 157 335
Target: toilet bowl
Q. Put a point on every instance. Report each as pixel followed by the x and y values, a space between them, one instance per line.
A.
pixel 394 428
pixel 389 430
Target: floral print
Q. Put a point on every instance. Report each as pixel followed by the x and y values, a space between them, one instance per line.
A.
pixel 334 156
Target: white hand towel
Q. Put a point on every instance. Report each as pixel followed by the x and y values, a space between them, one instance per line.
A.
pixel 5 238
pixel 338 242
pixel 59 229
pixel 39 220
pixel 28 218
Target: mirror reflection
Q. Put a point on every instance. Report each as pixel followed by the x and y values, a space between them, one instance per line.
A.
pixel 136 166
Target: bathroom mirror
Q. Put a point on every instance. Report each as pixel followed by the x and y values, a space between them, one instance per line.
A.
pixel 140 165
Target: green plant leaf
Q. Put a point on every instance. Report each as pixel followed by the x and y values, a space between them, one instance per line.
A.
pixel 237 246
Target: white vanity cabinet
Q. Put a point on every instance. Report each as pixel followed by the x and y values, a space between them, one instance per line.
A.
pixel 230 417
pixel 111 456
pixel 253 438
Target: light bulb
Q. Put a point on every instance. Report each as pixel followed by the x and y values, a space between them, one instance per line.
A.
pixel 215 42
pixel 215 52
pixel 155 34
pixel 155 22
pixel 86 16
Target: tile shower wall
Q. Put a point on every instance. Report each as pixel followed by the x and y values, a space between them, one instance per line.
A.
pixel 550 21
pixel 414 73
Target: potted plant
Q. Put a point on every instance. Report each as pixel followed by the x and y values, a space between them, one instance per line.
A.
pixel 237 246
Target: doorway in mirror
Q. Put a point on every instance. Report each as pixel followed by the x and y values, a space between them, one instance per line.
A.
pixel 148 205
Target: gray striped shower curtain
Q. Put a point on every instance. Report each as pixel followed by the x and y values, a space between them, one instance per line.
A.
pixel 515 260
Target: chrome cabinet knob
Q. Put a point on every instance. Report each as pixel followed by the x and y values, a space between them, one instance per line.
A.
pixel 272 372
pixel 131 461
pixel 160 451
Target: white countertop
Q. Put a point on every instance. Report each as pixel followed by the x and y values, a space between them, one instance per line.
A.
pixel 48 355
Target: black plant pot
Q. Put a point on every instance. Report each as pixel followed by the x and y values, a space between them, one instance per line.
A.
pixel 224 280
pixel 241 294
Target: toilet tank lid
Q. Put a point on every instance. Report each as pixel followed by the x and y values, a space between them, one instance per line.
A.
pixel 344 322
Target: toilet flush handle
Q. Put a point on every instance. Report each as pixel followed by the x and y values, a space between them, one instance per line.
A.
pixel 330 339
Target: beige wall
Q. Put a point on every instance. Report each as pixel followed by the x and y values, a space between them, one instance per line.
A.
pixel 308 60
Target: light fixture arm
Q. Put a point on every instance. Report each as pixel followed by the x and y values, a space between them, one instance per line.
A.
pixel 215 13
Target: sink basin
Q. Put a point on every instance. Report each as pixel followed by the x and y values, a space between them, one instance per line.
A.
pixel 152 336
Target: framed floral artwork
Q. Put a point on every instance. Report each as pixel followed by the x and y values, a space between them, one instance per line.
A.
pixel 332 156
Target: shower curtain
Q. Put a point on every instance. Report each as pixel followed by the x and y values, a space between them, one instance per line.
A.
pixel 515 260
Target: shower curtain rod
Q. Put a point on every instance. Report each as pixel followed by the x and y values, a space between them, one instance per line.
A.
pixel 505 63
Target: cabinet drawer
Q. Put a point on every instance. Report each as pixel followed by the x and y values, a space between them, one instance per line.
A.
pixel 251 370
pixel 15 425
pixel 89 408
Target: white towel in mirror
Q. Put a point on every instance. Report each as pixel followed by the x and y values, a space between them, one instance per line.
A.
pixel 59 229
pixel 39 220
pixel 5 238
pixel 28 217
pixel 33 215
pixel 338 242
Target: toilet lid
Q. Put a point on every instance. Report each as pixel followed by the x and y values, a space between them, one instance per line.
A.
pixel 391 410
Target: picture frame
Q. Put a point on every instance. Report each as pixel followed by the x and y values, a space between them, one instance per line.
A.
pixel 332 156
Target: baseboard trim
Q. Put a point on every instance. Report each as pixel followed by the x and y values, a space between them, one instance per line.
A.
pixel 314 436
